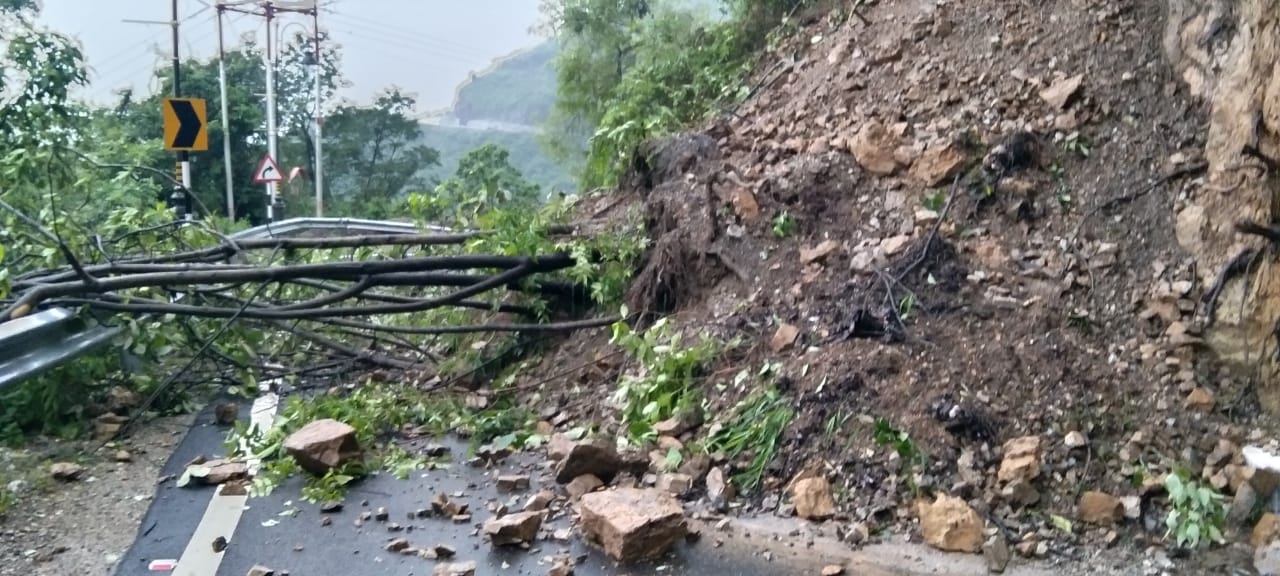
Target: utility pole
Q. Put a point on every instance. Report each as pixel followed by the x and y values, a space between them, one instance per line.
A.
pixel 272 199
pixel 319 179
pixel 269 10
pixel 226 122
pixel 179 198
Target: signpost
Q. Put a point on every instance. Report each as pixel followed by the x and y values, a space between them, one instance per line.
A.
pixel 268 172
pixel 185 130
pixel 185 125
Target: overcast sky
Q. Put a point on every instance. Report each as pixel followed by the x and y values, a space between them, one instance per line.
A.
pixel 425 46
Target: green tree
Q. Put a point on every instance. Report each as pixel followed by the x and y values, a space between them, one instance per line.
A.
pixel 372 154
pixel 485 181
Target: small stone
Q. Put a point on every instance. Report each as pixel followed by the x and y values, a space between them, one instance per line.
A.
pixel 812 499
pixel 121 400
pixel 560 568
pixel 1075 439
pixel 226 414
pixel 539 502
pixel 1021 459
pixel 435 451
pixel 122 456
pixel 684 421
pixel 260 570
pixel 397 545
pixel 1266 560
pixel 513 483
pixel 1100 508
pixel 819 252
pixel 1021 492
pixel 833 570
pixel 1059 94
pixel 895 245
pixel 1132 507
pixel 1265 531
pixel 873 148
pixel 513 529
pixel 1199 400
pixel 784 338
pixel 441 504
pixel 675 484
pixel 323 445
pixel 455 569
pixel 582 485
pixel 66 471
pixel 719 490
pixel 381 514
pixel 939 163
pixel 996 553
pixel 950 525
pixel 631 524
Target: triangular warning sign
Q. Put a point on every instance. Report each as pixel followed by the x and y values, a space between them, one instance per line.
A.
pixel 267 171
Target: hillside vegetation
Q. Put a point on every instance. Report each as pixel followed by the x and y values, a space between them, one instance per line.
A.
pixel 527 154
pixel 519 89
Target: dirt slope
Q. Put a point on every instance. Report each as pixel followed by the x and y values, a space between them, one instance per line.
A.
pixel 1053 297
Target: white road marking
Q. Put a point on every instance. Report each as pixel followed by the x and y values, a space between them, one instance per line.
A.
pixel 223 514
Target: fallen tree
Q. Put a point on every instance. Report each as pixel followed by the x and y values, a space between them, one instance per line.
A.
pixel 438 307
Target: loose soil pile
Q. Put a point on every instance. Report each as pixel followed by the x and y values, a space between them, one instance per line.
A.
pixel 982 249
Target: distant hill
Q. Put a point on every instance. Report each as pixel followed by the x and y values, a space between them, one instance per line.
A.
pixel 517 89
pixel 526 154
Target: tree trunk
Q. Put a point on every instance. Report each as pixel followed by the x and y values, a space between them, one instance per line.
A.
pixel 1228 53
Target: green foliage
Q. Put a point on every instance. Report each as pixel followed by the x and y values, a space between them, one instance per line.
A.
pixel 377 411
pixel 911 457
pixel 663 381
pixel 756 427
pixel 374 156
pixel 1197 512
pixel 527 154
pixel 682 73
pixel 632 70
pixel 485 180
pixel 784 224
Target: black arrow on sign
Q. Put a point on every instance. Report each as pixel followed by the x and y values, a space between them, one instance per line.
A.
pixel 188 124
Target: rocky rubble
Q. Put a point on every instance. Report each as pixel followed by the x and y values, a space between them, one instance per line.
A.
pixel 1038 337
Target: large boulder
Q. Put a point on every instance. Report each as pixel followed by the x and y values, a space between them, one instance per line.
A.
pixel 631 524
pixel 949 524
pixel 596 458
pixel 323 445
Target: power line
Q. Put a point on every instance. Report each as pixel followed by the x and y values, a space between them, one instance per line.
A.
pixel 397 48
pixel 440 45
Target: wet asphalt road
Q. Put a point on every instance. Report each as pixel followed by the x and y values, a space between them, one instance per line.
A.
pixel 283 532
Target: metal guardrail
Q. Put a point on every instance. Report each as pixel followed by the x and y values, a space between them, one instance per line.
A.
pixel 42 341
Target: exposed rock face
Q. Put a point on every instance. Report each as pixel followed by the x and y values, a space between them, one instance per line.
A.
pixel 1226 54
pixel 323 445
pixel 631 524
